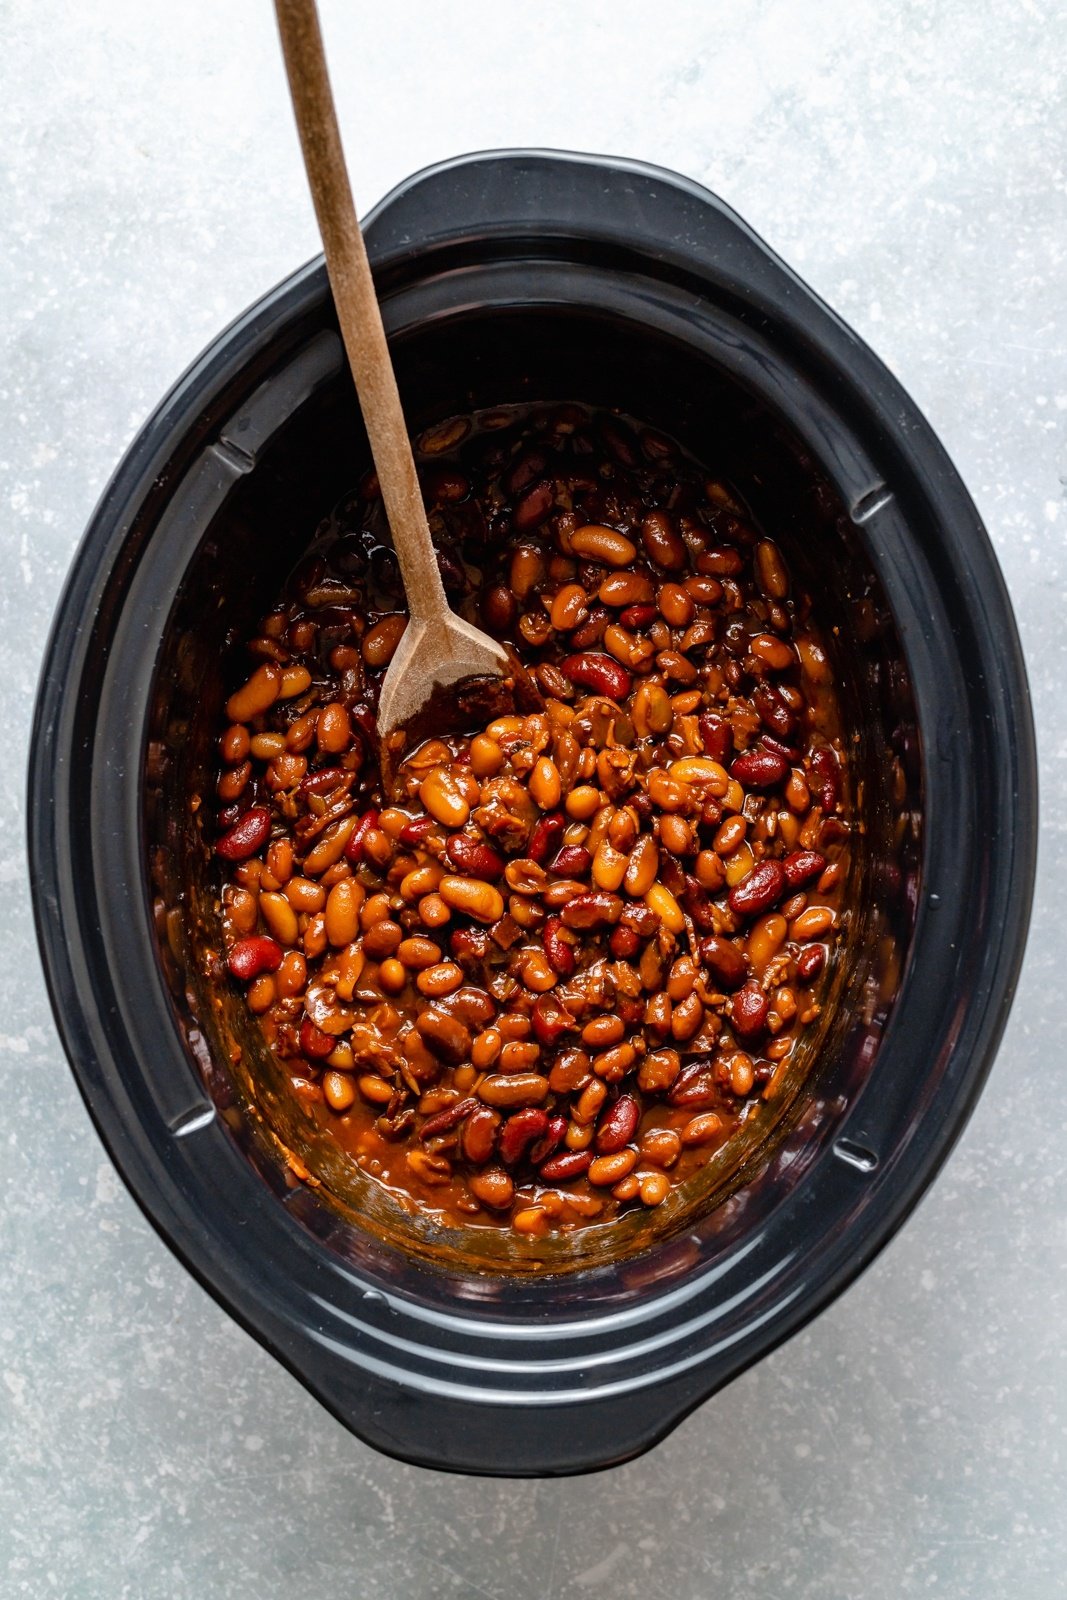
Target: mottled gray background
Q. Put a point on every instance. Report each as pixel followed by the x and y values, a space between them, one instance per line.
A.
pixel 909 160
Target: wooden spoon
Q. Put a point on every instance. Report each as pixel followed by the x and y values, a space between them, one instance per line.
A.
pixel 436 682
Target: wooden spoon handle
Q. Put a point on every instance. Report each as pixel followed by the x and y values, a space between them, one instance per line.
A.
pixel 357 305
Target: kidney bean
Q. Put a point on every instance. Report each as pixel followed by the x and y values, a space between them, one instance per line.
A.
pixel 635 617
pixel 623 943
pixel 597 672
pixel 726 961
pixel 549 1141
pixel 478 1137
pixel 694 1086
pixel 810 963
pixel 749 1011
pixel 314 1043
pixel 773 711
pixel 545 836
pixel 249 957
pixel 519 1131
pixel 827 773
pixel 759 768
pixel 569 1164
pixel 559 952
pixel 444 1121
pixel 528 466
pixel 533 507
pixel 550 1019
pixel 617 1125
pixel 800 866
pixel 356 839
pixel 247 835
pixel 474 857
pixel 759 890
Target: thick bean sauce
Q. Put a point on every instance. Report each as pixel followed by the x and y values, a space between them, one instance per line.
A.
pixel 559 971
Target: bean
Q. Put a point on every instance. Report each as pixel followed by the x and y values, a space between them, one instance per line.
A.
pixel 634 617
pixel 652 710
pixel 826 770
pixel 686 1018
pixel 702 1129
pixel 559 952
pixel 609 867
pixel 473 896
pixel 726 961
pixel 570 606
pixel 249 957
pixel 750 1009
pixel 493 1187
pixel 675 834
pixel 621 589
pixel 537 973
pixel 376 1090
pixel 642 867
pixel 661 1146
pixel 605 545
pixel 583 802
pixel 811 924
pixel 667 793
pixel 334 730
pixel 663 543
pixel 617 1125
pixel 774 653
pixel 603 1031
pixel 653 1188
pixel 392 975
pixel 660 900
pixel 545 837
pixel 521 1088
pixel 232 784
pixel 742 1073
pixel 810 963
pixel 329 848
pixel 235 743
pixel 759 769
pixel 590 670
pixel 304 895
pixel 474 858
pixel 444 1035
pixel 314 1042
pixel 478 1137
pixel 248 834
pixel 339 1090
pixel 533 507
pixel 766 939
pixel 573 861
pixel 519 1131
pixel 759 890
pixel 770 570
pixel 382 938
pixel 567 1165
pixel 544 784
pixel 257 695
pixel 608 1169
pixel 614 1064
pixel 443 799
pixel 437 981
pixel 342 912
pixel 716 735
pixel 280 918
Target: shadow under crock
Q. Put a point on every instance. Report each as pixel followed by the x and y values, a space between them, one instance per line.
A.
pixel 508 278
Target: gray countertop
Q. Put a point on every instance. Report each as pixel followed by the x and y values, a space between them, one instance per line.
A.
pixel 908 159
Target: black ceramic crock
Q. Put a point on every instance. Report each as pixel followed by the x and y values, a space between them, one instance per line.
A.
pixel 509 277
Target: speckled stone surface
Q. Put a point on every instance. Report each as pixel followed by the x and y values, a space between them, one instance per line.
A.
pixel 909 160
